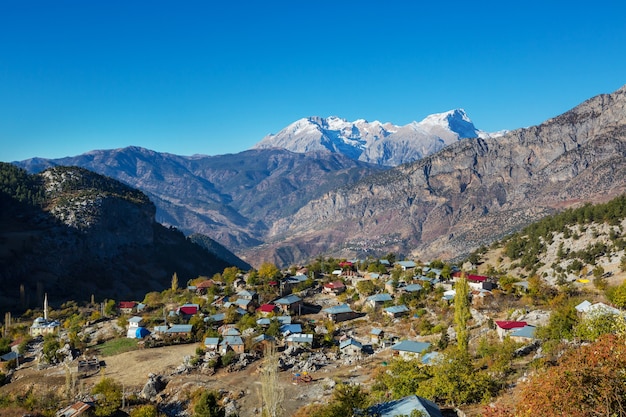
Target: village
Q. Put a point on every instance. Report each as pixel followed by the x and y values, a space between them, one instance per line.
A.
pixel 349 316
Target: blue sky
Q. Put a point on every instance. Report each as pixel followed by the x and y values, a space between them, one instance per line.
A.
pixel 194 77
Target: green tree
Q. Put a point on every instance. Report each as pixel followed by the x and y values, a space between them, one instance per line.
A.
pixel 617 295
pixel 108 395
pixel 268 271
pixel 208 406
pixel 366 287
pixel 147 410
pixel 462 313
pixel 456 381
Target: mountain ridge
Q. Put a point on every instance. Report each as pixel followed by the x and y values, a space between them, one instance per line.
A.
pixel 375 142
pixel 470 192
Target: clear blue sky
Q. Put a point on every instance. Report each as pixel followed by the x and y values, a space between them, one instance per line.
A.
pixel 190 77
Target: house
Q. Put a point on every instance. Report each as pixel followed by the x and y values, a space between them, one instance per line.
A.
pixel 217 319
pixel 289 283
pixel 586 309
pixel 234 343
pixel 335 287
pixel 263 339
pixel 211 343
pixel 523 334
pixel 449 295
pixel 203 287
pixel 350 347
pixel 267 309
pixel 396 311
pixel 505 327
pixel 406 265
pixel 339 313
pixel 409 349
pixel 187 310
pixel 179 331
pixel 378 300
pixel 412 288
pixel 8 357
pixel 266 321
pixel 290 303
pixel 405 407
pixel 80 408
pixel 127 307
pixel 135 328
pixel 376 335
pixel 287 329
pixel 248 295
pixel 431 358
pixel 299 339
pixel 476 282
pixel 245 304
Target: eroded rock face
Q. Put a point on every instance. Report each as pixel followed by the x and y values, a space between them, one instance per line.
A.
pixel 468 194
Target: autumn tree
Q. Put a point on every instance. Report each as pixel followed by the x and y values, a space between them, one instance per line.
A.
pixel 462 313
pixel 108 394
pixel 175 282
pixel 268 271
pixel 589 380
pixel 272 394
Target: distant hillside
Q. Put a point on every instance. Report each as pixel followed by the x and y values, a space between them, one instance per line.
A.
pixel 587 243
pixel 233 199
pixel 72 233
pixel 468 194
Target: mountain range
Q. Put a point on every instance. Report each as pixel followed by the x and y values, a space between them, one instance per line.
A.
pixel 437 188
pixel 375 142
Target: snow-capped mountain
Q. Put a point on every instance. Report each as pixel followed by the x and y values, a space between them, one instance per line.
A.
pixel 375 142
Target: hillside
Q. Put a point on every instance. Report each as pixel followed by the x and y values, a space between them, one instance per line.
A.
pixel 233 199
pixel 72 234
pixel 468 194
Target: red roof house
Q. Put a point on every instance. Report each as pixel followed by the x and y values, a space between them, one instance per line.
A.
pixel 506 326
pixel 127 307
pixel 267 309
pixel 188 309
pixel 335 287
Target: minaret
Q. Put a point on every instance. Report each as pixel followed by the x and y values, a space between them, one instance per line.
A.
pixel 45 307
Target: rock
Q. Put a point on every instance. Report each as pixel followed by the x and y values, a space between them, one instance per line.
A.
pixel 154 385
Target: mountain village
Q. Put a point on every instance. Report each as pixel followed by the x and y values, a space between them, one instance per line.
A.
pixel 346 316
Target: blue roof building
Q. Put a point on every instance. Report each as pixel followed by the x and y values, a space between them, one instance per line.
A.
pixel 404 407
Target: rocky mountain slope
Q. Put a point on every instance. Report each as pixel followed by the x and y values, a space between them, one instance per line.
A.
pixel 375 142
pixel 84 234
pixel 470 193
pixel 233 199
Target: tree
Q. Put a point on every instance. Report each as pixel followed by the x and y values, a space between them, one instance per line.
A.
pixel 268 271
pixel 175 282
pixel 108 394
pixel 462 313
pixel 345 401
pixel 147 410
pixel 272 394
pixel 207 406
pixel 617 295
pixel 589 380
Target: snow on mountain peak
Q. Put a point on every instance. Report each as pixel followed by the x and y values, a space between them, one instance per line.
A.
pixel 376 142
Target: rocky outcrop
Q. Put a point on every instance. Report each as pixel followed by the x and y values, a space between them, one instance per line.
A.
pixel 469 193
